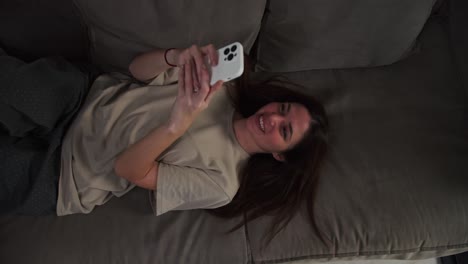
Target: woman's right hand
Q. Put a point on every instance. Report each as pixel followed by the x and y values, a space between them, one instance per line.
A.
pixel 196 57
pixel 194 90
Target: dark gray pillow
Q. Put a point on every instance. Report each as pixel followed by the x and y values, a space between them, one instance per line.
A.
pixel 121 29
pixel 328 34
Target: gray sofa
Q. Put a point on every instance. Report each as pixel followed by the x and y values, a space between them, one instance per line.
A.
pixel 392 75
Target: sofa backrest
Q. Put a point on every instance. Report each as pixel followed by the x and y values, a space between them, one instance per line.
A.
pixel 302 35
pixel 120 29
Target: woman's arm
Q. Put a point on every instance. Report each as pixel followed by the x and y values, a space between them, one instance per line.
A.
pixel 148 65
pixel 137 163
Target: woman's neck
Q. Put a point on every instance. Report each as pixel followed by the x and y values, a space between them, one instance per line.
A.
pixel 239 125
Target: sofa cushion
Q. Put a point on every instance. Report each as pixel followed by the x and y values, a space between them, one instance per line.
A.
pixel 120 29
pixel 322 34
pixel 124 230
pixel 395 181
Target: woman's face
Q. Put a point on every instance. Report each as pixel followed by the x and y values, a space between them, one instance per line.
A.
pixel 276 127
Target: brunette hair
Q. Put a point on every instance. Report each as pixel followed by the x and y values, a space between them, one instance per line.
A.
pixel 268 186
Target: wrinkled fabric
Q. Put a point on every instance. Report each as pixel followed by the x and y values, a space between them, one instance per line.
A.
pixel 38 100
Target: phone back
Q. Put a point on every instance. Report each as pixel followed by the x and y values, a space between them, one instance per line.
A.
pixel 230 63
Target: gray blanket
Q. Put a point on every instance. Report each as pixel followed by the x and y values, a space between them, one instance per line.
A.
pixel 38 100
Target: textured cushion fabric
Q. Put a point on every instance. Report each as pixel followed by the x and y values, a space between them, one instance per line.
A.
pixel 326 34
pixel 395 181
pixel 120 29
pixel 122 231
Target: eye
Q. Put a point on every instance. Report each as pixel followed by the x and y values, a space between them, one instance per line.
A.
pixel 283 108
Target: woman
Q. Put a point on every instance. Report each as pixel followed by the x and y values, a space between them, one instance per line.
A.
pixel 259 157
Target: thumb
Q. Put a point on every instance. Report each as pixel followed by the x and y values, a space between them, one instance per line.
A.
pixel 216 87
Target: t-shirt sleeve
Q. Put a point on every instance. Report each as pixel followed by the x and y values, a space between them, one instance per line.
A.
pixel 185 188
pixel 168 77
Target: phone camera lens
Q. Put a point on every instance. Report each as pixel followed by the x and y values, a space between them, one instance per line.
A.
pixel 230 57
pixel 233 48
pixel 226 51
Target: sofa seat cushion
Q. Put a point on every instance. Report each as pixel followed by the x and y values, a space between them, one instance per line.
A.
pixel 124 230
pixel 395 183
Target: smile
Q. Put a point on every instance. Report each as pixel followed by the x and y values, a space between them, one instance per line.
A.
pixel 262 125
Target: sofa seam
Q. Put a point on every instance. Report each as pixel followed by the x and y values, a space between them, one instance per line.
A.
pixel 87 30
pixel 258 41
pixel 367 253
pixel 248 247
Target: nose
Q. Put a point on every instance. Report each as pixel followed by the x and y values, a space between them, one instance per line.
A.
pixel 274 119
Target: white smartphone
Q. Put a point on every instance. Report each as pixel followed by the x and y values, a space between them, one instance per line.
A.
pixel 230 63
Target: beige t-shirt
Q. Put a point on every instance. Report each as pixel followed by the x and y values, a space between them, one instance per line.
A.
pixel 200 170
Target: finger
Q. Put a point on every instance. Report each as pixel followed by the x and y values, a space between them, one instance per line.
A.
pixel 188 78
pixel 205 84
pixel 196 82
pixel 198 57
pixel 215 88
pixel 212 53
pixel 181 80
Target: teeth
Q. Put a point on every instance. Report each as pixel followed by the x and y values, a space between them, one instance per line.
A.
pixel 262 126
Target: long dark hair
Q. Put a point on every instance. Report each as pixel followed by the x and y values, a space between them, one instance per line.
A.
pixel 268 186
